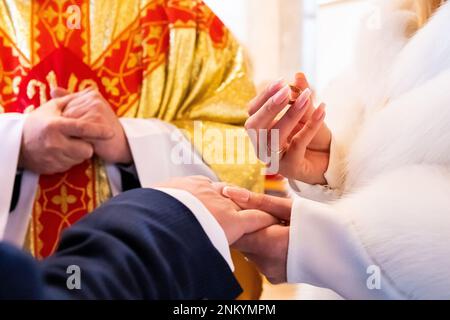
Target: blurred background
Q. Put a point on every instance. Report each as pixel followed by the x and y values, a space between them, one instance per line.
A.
pixel 286 36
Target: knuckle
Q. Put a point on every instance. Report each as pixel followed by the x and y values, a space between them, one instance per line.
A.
pixel 309 126
pixel 52 125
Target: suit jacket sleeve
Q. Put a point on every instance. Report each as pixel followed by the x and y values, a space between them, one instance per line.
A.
pixel 143 244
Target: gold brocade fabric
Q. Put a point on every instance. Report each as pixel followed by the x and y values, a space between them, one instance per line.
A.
pixel 167 59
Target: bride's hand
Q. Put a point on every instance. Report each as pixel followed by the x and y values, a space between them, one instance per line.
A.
pixel 268 247
pixel 304 138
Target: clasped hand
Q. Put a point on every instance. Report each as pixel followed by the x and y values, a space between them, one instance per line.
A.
pixel 255 224
pixel 69 129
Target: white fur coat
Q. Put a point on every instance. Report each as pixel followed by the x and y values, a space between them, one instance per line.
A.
pixel 391 156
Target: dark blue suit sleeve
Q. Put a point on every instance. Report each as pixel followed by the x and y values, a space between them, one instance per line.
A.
pixel 143 244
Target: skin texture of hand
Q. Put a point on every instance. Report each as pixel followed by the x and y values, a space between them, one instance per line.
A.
pixel 53 144
pixel 235 222
pixel 89 105
pixel 268 247
pixel 303 133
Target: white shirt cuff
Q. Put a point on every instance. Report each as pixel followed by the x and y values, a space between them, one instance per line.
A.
pixel 313 192
pixel 11 127
pixel 209 224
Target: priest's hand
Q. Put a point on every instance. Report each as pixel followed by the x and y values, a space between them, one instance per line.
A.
pixel 304 139
pixel 235 222
pixel 89 105
pixel 268 247
pixel 53 144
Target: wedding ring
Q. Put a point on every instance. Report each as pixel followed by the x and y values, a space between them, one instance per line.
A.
pixel 295 93
pixel 295 89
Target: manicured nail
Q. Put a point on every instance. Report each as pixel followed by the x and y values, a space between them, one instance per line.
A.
pixel 303 99
pixel 277 84
pixel 319 113
pixel 282 95
pixel 237 194
pixel 300 75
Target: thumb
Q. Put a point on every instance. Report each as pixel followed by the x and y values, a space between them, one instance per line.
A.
pixel 58 92
pixel 276 206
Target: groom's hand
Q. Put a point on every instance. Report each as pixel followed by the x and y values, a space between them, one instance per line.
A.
pixel 268 247
pixel 234 222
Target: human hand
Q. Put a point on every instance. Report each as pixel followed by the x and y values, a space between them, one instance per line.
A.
pixel 235 222
pixel 268 247
pixel 53 144
pixel 304 138
pixel 89 105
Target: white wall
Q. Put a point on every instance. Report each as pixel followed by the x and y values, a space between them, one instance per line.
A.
pixel 285 36
pixel 269 29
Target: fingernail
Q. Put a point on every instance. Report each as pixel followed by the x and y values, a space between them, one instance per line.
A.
pixel 277 84
pixel 281 96
pixel 319 113
pixel 237 194
pixel 303 99
pixel 300 75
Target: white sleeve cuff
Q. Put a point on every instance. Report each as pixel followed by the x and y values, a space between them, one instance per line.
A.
pixel 160 152
pixel 325 252
pixel 313 192
pixel 209 224
pixel 11 126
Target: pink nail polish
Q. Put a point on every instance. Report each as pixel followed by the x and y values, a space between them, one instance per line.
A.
pixel 282 96
pixel 303 99
pixel 277 84
pixel 319 113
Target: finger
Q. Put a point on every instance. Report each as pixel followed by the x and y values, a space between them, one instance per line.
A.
pixel 219 186
pixel 64 162
pixel 302 83
pixel 59 92
pixel 253 220
pixel 84 130
pixel 276 206
pixel 76 111
pixel 264 117
pixel 303 138
pixel 62 102
pixel 291 118
pixel 262 98
pixel 78 149
pixel 82 97
pixel 258 243
pixel 250 243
